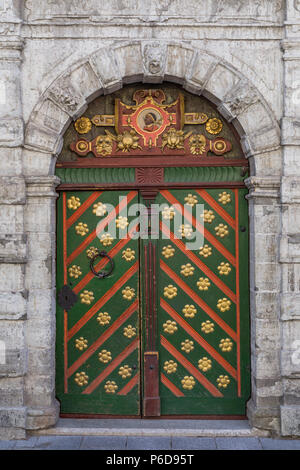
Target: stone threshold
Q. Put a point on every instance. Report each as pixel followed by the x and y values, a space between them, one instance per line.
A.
pixel 151 428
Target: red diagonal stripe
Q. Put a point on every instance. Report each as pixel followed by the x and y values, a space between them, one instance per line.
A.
pixel 128 387
pixel 171 386
pixel 228 367
pixel 107 334
pixel 115 363
pixel 208 236
pixel 197 299
pixel 101 226
pixel 222 213
pixel 189 367
pixel 104 261
pixel 189 254
pixel 108 294
pixel 84 206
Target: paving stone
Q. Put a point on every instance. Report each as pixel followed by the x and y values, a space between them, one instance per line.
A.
pixel 148 443
pixel 238 443
pixel 104 442
pixel 58 443
pixel 280 444
pixel 193 443
pixel 6 445
pixel 26 444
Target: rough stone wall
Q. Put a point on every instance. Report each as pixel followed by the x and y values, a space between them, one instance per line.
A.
pixel 58 55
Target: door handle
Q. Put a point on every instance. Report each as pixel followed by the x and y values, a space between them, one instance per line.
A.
pixel 101 274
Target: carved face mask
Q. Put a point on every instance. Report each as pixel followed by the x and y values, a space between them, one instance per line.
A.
pixel 104 145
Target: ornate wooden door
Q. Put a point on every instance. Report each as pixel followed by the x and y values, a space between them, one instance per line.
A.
pixel 191 303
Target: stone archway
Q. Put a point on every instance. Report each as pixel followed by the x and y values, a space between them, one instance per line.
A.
pixel 103 72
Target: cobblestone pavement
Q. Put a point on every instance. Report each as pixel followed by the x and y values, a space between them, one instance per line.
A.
pixel 148 443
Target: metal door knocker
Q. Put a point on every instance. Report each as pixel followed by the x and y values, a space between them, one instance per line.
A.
pixel 101 274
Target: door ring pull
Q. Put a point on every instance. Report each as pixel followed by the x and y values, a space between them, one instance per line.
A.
pixel 101 274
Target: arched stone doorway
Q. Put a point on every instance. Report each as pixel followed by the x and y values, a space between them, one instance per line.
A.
pixel 165 331
pixel 240 102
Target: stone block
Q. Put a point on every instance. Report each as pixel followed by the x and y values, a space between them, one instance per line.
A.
pixel 85 81
pixel 11 219
pixel 13 248
pixel 266 248
pixel 105 65
pixel 267 363
pixel 41 361
pixel 40 333
pixel 290 360
pixel 12 391
pixel 290 193
pixel 221 81
pixel 49 115
pixel 12 433
pixel 13 305
pixel 267 334
pixel 291 389
pixel 37 163
pixel 266 275
pixel 290 306
pixel 13 417
pixel 39 391
pixel 290 131
pixel 40 245
pixel 42 139
pixel 11 277
pixel 39 216
pixel 10 161
pixel 42 418
pixel 266 164
pixel 11 132
pixel 39 274
pixel 129 60
pixel 290 420
pixel 265 304
pixel 41 303
pixel 12 190
pixel 178 62
pixel 200 71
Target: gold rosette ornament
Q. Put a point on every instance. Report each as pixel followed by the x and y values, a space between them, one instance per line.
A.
pixel 224 198
pixel 128 293
pixel 128 254
pixel 205 251
pixel 189 311
pixel 170 291
pixel 170 327
pixel 87 297
pixel 106 239
pixel 223 304
pixel 203 283
pixel 129 331
pixel 224 268
pixel 187 346
pixel 81 343
pixel 122 222
pixel 223 381
pixel 104 356
pixel 83 125
pixel 103 318
pixel 170 367
pixel 226 345
pixel 187 270
pixel 214 126
pixel 75 271
pixel 168 251
pixel 125 371
pixel 99 209
pixel 188 382
pixel 92 252
pixel 208 216
pixel 110 386
pixel 207 327
pixel 81 229
pixel 185 231
pixel 204 364
pixel 168 213
pixel 191 200
pixel 73 203
pixel 221 230
pixel 81 379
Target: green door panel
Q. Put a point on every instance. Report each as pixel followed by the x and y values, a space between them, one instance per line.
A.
pixel 98 338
